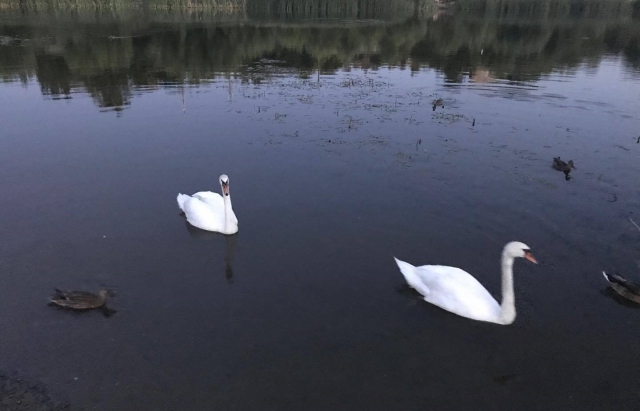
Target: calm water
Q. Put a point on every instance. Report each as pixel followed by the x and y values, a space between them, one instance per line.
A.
pixel 338 162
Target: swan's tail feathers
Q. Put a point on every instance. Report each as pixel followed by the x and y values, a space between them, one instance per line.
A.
pixel 181 199
pixel 409 273
pixel 615 279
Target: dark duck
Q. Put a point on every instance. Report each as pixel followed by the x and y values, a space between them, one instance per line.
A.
pixel 566 168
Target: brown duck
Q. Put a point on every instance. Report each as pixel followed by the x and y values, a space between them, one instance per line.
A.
pixel 560 165
pixel 80 300
pixel 627 289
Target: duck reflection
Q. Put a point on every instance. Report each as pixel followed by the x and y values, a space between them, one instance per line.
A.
pixel 623 291
pixel 230 243
pixel 611 293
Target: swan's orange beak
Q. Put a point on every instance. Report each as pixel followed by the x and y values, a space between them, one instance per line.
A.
pixel 225 189
pixel 529 256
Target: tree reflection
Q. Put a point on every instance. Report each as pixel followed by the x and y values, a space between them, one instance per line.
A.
pixel 108 88
pixel 53 74
pixel 109 56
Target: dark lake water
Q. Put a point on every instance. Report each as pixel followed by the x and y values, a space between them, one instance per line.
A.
pixel 338 161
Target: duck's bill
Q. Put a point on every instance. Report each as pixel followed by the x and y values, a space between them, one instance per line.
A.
pixel 225 189
pixel 530 257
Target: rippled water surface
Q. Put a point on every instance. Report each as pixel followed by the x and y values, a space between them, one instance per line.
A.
pixel 338 161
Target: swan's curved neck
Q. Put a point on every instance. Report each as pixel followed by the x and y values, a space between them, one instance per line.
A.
pixel 228 213
pixel 508 306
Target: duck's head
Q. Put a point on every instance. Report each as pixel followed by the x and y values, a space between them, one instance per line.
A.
pixel 516 249
pixel 224 183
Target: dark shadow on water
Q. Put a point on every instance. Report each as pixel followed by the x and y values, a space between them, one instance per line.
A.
pixel 406 291
pixel 104 310
pixel 505 379
pixel 609 292
pixel 230 244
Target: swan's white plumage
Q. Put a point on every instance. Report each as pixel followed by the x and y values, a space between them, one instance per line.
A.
pixel 452 289
pixel 209 211
pixel 457 291
pixel 181 200
pixel 213 199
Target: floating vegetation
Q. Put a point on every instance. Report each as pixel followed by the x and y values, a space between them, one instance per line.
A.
pixel 19 394
pixel 350 124
pixel 7 40
pixel 448 117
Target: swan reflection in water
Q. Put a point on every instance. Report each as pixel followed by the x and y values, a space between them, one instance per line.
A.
pixel 230 242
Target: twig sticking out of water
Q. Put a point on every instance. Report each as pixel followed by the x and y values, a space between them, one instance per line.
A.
pixel 638 140
pixel 184 108
pixel 634 223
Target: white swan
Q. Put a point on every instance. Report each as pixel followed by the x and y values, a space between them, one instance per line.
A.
pixel 210 211
pixel 458 291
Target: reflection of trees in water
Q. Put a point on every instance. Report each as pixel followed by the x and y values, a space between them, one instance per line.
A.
pixel 334 9
pixel 53 74
pixel 522 50
pixel 224 6
pixel 108 88
pixel 109 56
pixel 543 9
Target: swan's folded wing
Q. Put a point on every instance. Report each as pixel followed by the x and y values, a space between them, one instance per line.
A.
pixel 457 291
pixel 202 215
pixel 412 278
pixel 182 199
pixel 442 276
pixel 213 199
